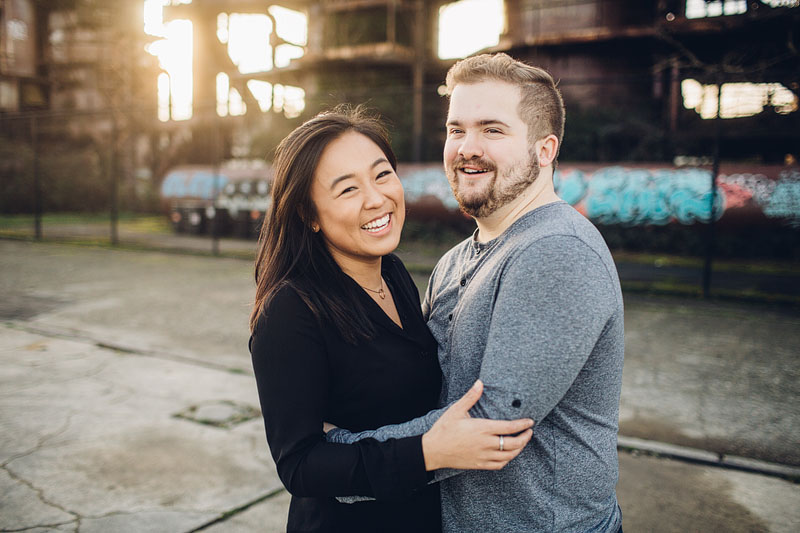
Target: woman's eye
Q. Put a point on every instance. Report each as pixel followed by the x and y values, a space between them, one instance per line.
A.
pixel 347 190
pixel 383 174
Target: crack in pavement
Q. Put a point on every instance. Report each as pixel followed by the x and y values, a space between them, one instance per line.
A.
pixel 227 515
pixel 38 491
pixel 85 338
pixel 55 524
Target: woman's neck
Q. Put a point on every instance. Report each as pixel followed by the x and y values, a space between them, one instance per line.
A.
pixel 365 272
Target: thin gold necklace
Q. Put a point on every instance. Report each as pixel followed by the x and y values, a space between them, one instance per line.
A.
pixel 380 292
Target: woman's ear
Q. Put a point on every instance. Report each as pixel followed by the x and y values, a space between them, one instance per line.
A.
pixel 308 221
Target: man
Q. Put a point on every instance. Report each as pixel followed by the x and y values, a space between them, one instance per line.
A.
pixel 531 306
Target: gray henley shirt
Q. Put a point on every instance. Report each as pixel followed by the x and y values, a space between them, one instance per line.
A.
pixel 537 315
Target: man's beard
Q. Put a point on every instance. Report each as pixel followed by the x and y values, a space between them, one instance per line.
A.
pixel 494 195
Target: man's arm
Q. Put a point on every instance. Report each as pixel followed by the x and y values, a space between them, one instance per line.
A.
pixel 552 304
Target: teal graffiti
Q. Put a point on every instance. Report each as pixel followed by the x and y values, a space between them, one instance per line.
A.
pixel 785 199
pixel 429 182
pixel 197 184
pixel 616 195
pixel 571 185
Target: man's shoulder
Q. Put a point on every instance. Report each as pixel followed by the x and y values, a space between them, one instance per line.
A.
pixel 555 225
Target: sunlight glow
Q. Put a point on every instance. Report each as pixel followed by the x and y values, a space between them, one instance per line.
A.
pixel 290 100
pixel 163 97
pixel 248 42
pixel 174 54
pixel 700 8
pixel 292 25
pixel 222 28
pixel 738 99
pixel 236 105
pixel 468 26
pixel 223 94
pixel 262 92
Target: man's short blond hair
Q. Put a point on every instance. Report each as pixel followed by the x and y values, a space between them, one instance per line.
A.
pixel 540 107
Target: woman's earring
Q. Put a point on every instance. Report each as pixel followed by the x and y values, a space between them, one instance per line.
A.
pixel 314 228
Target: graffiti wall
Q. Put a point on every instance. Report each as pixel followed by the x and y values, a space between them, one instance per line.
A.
pixel 628 195
pixel 648 194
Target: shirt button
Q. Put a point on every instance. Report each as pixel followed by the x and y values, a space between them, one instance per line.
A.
pixel 450 316
pixel 516 403
pixel 463 281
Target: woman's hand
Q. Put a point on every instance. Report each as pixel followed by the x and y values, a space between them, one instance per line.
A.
pixel 458 441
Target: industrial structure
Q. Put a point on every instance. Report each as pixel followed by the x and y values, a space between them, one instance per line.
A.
pixel 621 64
pixel 75 71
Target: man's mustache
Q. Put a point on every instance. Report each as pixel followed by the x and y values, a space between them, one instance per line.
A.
pixel 479 162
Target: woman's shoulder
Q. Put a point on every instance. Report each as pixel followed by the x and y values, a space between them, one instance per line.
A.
pixel 284 304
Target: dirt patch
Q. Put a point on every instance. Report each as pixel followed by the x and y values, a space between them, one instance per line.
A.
pixel 665 496
pixel 21 306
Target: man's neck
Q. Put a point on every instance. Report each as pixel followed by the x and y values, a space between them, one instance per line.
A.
pixel 538 193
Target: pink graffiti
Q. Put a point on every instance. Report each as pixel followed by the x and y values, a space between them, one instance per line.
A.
pixel 735 196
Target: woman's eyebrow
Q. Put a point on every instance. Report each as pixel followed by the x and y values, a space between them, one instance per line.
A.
pixel 351 175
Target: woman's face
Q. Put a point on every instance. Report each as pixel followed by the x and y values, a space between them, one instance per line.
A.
pixel 359 200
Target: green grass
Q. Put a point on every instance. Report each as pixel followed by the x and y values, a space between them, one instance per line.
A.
pixel 153 224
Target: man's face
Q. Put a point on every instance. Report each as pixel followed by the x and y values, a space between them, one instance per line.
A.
pixel 487 158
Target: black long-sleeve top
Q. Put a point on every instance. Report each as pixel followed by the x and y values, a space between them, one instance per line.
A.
pixel 307 374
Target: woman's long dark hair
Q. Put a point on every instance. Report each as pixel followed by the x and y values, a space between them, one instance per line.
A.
pixel 289 252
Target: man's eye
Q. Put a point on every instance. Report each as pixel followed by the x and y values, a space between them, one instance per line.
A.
pixel 493 130
pixel 454 132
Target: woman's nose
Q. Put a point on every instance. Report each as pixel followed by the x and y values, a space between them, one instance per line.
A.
pixel 373 197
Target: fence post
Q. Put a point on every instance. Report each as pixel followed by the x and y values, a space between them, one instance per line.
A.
pixel 215 195
pixel 711 233
pixel 114 169
pixel 37 186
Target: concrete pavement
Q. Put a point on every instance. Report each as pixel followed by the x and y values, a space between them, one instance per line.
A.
pixel 126 401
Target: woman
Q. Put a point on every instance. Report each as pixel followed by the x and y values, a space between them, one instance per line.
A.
pixel 338 336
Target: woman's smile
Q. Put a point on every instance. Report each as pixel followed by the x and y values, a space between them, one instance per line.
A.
pixel 378 225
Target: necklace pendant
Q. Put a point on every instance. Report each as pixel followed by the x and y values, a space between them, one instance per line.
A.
pixel 382 294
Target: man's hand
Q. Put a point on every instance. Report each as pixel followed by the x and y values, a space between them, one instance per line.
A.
pixel 458 441
pixel 327 426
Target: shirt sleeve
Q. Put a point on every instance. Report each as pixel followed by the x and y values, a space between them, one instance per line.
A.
pixel 553 302
pixel 292 374
pixel 415 427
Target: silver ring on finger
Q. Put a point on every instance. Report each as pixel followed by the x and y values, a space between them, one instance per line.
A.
pixel 501 443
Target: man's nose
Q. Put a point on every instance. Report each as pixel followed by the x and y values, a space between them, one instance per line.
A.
pixel 470 147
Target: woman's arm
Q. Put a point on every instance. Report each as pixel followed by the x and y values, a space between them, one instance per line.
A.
pixel 293 378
